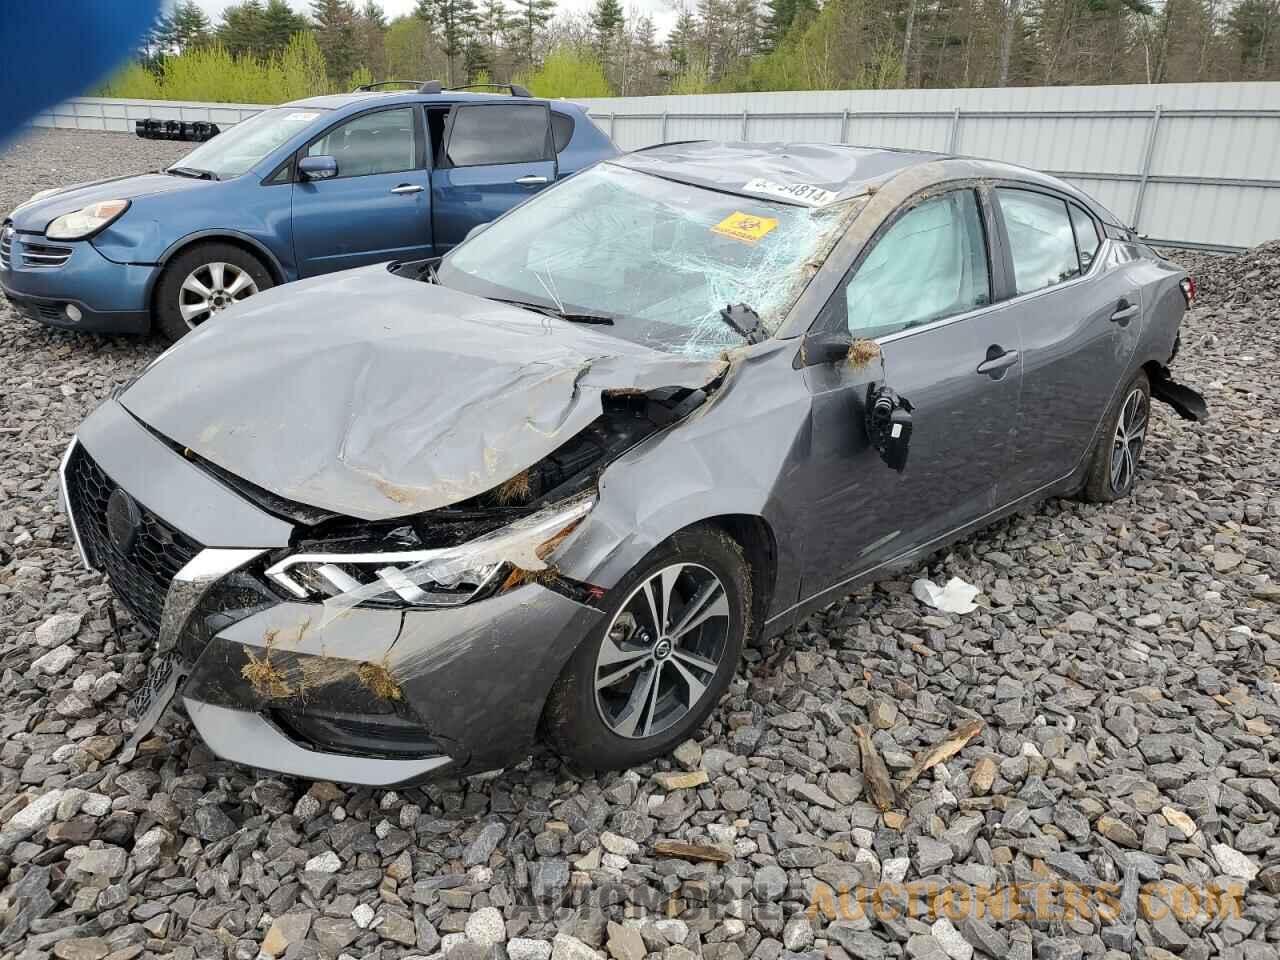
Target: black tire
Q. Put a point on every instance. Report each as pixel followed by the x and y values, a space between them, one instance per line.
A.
pixel 1110 475
pixel 573 722
pixel 197 260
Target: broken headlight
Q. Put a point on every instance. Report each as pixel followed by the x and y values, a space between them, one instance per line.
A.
pixel 443 577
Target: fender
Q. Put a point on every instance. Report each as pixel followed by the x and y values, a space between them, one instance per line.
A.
pixel 278 272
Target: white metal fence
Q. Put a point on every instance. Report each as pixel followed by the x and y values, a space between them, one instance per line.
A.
pixel 1195 165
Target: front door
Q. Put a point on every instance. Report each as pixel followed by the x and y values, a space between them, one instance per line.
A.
pixel 377 208
pixel 1080 322
pixel 494 156
pixel 923 294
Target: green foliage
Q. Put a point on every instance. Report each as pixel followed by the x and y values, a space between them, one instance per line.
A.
pixel 214 74
pixel 405 46
pixel 362 77
pixel 567 73
pixel 335 27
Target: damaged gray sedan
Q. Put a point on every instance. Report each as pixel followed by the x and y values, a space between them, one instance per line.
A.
pixel 401 521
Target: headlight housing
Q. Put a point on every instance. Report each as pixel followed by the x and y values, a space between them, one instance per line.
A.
pixel 86 221
pixel 441 577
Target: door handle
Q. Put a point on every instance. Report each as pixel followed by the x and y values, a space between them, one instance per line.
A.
pixel 1125 311
pixel 408 188
pixel 532 180
pixel 997 362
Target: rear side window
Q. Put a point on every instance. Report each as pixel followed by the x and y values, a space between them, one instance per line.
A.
pixel 1087 240
pixel 1041 240
pixel 561 130
pixel 498 133
pixel 381 142
pixel 930 264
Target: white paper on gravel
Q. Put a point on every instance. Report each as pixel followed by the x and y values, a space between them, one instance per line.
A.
pixel 956 597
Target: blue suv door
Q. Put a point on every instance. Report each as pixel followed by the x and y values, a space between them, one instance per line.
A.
pixel 494 156
pixel 378 207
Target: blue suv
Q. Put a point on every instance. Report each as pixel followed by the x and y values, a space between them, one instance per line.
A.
pixel 306 188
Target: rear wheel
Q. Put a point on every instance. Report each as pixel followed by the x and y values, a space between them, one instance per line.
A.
pixel 1118 449
pixel 665 653
pixel 201 282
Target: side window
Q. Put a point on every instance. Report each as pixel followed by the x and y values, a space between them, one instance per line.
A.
pixel 931 263
pixel 1041 240
pixel 498 133
pixel 1087 240
pixel 561 129
pixel 381 142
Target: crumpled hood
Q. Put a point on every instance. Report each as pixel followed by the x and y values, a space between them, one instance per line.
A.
pixel 375 396
pixel 34 217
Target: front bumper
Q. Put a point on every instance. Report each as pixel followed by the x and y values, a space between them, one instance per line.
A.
pixel 375 696
pixel 110 297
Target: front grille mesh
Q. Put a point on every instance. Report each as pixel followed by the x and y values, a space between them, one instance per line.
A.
pixel 44 255
pixel 141 579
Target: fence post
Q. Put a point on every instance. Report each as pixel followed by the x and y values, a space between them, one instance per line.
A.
pixel 844 126
pixel 612 118
pixel 953 138
pixel 1146 166
pixel 664 127
pixel 744 126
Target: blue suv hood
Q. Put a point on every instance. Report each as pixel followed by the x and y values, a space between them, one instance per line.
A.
pixel 375 396
pixel 34 217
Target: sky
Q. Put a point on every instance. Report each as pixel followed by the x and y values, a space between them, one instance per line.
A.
pixel 663 12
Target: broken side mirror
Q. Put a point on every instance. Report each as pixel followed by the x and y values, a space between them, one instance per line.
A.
pixel 824 347
pixel 889 424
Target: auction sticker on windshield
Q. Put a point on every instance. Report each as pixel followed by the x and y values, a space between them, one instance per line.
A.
pixel 795 192
pixel 745 227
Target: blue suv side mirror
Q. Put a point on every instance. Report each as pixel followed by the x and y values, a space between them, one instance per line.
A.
pixel 317 168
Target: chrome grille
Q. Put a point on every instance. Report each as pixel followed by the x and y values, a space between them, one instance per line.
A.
pixel 6 244
pixel 44 255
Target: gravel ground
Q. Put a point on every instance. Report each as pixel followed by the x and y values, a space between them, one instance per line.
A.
pixel 1124 667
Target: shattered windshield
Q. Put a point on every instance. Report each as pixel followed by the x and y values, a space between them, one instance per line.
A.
pixel 661 259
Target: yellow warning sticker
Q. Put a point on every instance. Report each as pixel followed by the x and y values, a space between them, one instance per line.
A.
pixel 744 226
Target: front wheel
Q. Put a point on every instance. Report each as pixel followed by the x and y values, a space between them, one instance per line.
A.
pixel 669 645
pixel 1118 449
pixel 201 282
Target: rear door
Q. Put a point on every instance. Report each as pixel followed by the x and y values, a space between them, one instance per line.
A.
pixel 494 156
pixel 923 292
pixel 378 207
pixel 1079 314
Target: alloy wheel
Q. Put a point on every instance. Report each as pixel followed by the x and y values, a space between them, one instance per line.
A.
pixel 662 650
pixel 1126 446
pixel 211 288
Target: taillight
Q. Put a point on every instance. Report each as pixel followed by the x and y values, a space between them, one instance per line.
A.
pixel 1188 285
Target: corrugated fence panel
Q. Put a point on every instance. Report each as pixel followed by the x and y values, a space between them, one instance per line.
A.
pixel 1209 175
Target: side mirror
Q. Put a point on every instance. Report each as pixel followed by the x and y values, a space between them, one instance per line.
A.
pixel 826 347
pixel 889 424
pixel 317 168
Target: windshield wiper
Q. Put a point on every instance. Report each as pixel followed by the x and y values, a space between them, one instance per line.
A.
pixel 193 172
pixel 549 311
pixel 744 321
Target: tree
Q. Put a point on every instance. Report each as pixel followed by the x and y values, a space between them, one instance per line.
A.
pixel 242 30
pixel 566 73
pixel 454 22
pixel 335 30
pixel 189 27
pixel 606 22
pixel 370 29
pixel 528 23
pixel 279 25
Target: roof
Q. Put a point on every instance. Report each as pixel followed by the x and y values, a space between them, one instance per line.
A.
pixel 768 169
pixel 336 101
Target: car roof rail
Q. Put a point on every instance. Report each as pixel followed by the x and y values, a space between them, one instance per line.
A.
pixel 431 86
pixel 515 89
pixel 366 87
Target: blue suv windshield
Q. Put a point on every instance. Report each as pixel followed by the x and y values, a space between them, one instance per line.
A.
pixel 247 143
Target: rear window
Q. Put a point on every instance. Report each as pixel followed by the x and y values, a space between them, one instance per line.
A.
pixel 1041 240
pixel 561 130
pixel 498 133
